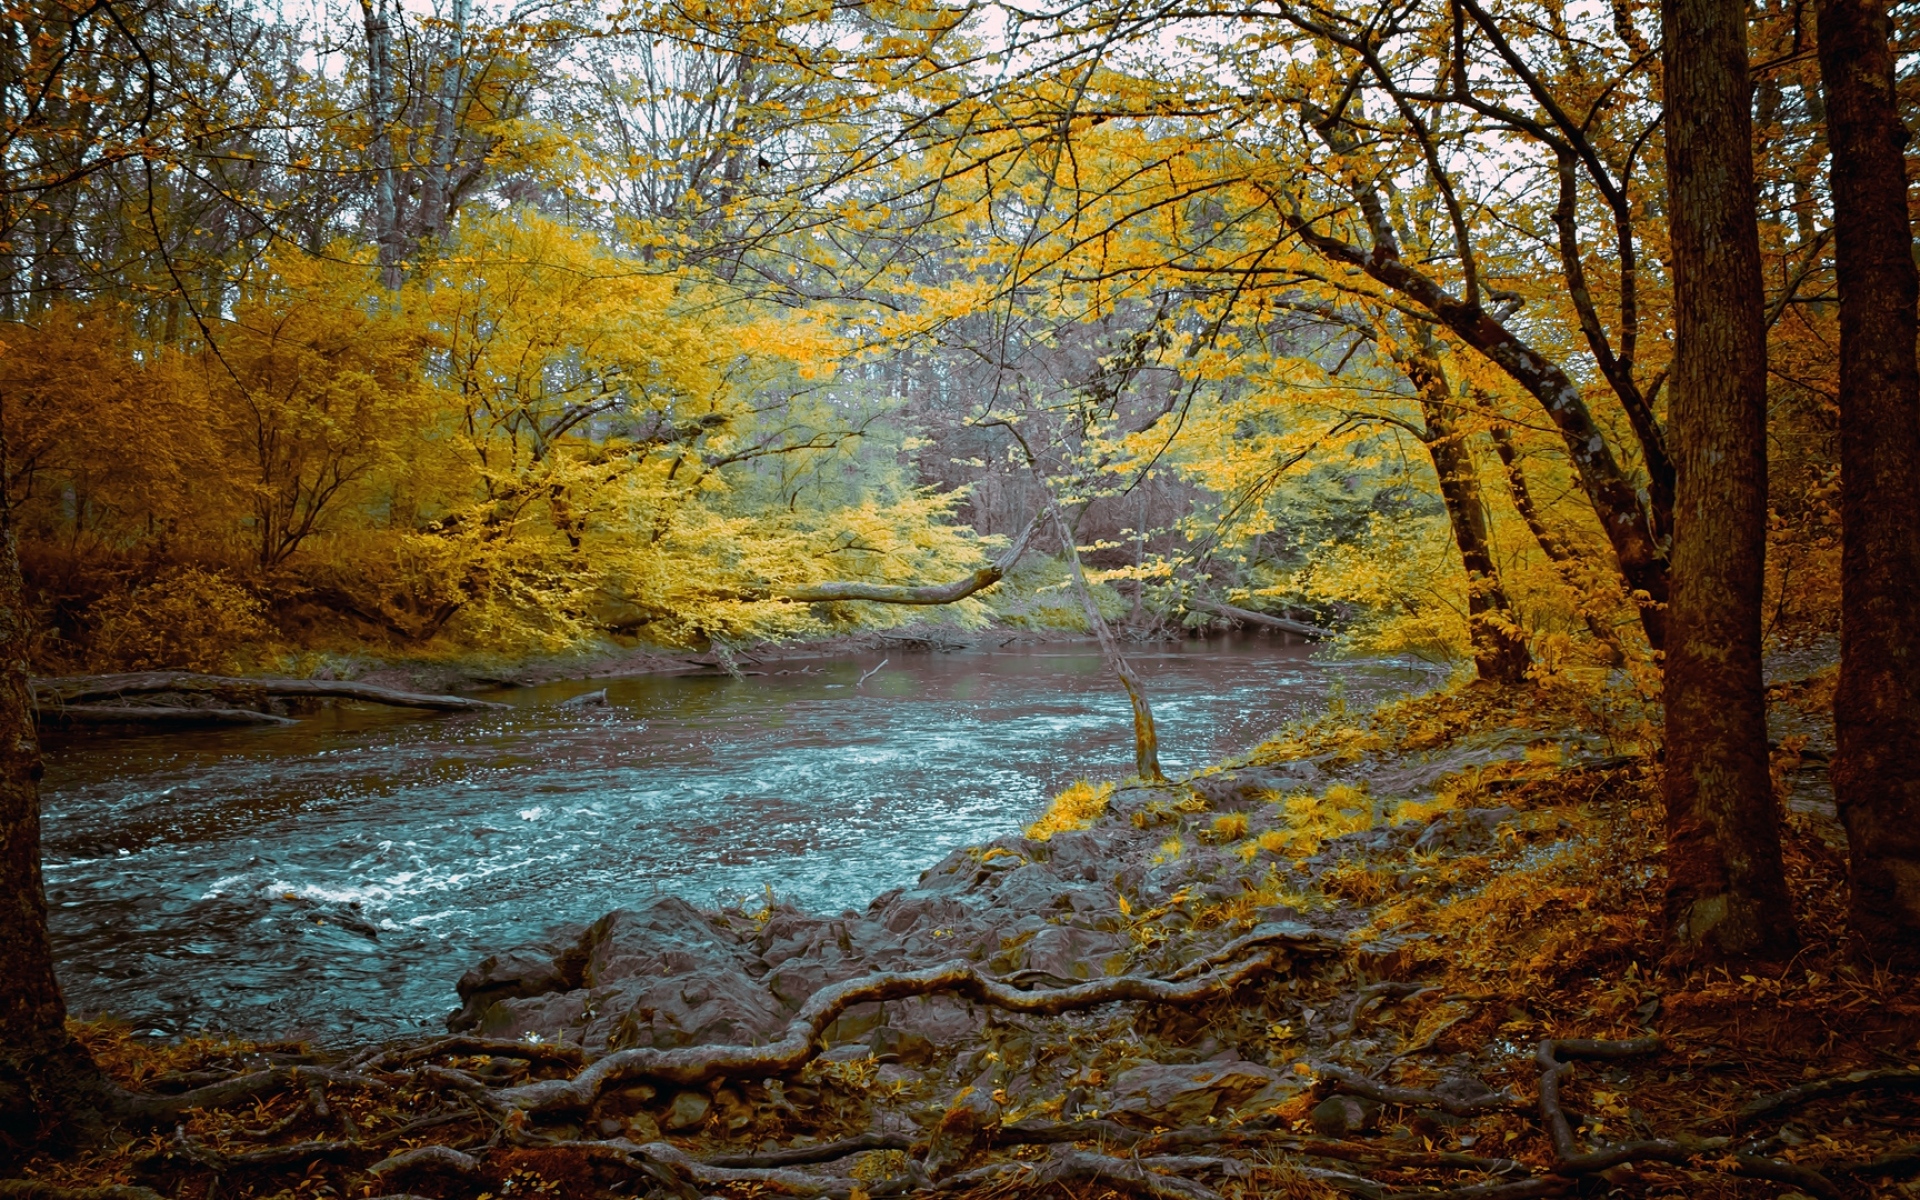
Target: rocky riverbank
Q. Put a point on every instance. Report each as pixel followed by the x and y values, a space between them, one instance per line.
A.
pixel 1127 881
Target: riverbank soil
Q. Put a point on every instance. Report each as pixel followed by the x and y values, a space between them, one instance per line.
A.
pixel 1414 953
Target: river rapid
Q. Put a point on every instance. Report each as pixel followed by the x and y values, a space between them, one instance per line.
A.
pixel 332 879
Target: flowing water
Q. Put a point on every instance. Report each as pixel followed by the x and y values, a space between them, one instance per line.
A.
pixel 334 878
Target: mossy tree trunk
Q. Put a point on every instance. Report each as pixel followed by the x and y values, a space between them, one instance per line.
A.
pixel 1876 767
pixel 1726 893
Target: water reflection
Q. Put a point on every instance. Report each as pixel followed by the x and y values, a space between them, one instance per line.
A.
pixel 334 878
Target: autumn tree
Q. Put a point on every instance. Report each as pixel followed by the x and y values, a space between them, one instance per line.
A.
pixel 1726 893
pixel 1876 778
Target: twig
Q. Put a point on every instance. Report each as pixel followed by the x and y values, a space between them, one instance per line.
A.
pixel 872 673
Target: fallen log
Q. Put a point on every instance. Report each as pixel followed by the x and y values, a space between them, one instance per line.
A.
pixel 1250 617
pixel 53 692
pixel 157 714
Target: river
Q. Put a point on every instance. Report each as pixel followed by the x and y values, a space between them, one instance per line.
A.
pixel 333 879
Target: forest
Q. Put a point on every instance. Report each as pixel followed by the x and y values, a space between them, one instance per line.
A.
pixel 390 353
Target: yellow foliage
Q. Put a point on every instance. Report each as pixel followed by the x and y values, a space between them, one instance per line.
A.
pixel 1228 827
pixel 1075 808
pixel 187 618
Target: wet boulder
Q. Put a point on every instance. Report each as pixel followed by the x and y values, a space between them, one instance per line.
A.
pixel 1180 1094
pixel 662 975
pixel 556 963
pixel 1065 952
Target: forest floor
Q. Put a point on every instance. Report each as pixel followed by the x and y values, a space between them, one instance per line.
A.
pixel 1409 953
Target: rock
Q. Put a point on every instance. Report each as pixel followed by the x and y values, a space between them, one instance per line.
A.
pixel 1071 953
pixel 1342 1116
pixel 663 975
pixel 891 1044
pixel 733 1110
pixel 944 1021
pixel 973 1113
pixel 586 700
pixel 1080 855
pixel 1030 888
pixel 687 1111
pixel 895 1075
pixel 1250 787
pixel 1463 1086
pixel 1177 1094
pixel 1463 831
pixel 641 1127
pixel 557 963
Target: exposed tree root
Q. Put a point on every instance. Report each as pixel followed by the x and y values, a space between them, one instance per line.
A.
pixel 143 1108
pixel 1372 1089
pixel 693 1065
pixel 429 1160
pixel 800 1156
pixel 34 1189
pixel 1904 1080
pixel 1123 1175
pixel 389 1058
pixel 1168 1164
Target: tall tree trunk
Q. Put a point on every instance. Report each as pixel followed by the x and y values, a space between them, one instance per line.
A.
pixel 46 1080
pixel 1499 645
pixel 1876 712
pixel 1726 894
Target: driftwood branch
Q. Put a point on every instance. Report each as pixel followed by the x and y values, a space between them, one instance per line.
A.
pixel 1249 617
pixel 926 594
pixel 691 1066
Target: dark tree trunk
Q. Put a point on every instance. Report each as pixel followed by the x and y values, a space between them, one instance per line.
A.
pixel 45 1079
pixel 1876 712
pixel 1726 894
pixel 1499 645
